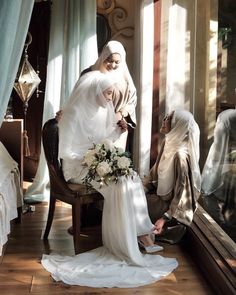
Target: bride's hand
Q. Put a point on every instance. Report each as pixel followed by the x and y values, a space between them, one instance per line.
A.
pixel 119 116
pixel 123 125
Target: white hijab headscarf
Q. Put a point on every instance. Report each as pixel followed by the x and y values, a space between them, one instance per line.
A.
pixel 217 162
pixel 87 117
pixel 182 138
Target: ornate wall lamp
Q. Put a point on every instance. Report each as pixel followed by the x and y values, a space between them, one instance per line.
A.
pixel 27 81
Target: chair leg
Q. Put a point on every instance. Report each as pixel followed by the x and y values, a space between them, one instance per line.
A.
pixel 51 210
pixel 76 224
pixel 83 214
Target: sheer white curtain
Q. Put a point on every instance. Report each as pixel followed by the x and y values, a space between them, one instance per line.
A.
pixel 144 43
pixel 72 48
pixel 14 23
pixel 178 58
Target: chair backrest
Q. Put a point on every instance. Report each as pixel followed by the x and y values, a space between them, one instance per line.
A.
pixel 50 143
pixel 50 138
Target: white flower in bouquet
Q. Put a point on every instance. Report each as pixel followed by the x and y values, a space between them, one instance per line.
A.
pixel 120 151
pixel 123 162
pixel 89 157
pixel 103 169
pixel 108 144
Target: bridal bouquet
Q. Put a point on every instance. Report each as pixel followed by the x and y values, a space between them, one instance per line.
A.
pixel 106 163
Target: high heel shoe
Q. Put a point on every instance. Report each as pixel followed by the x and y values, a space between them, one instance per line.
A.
pixel 150 249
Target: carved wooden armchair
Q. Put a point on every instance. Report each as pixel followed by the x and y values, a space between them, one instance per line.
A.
pixel 74 194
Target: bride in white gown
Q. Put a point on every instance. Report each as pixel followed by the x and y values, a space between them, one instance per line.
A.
pixel 89 118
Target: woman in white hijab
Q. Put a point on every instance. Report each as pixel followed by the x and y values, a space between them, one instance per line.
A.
pixel 112 61
pixel 174 183
pixel 219 173
pixel 88 118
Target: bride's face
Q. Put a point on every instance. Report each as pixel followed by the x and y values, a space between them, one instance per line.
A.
pixel 108 94
pixel 105 97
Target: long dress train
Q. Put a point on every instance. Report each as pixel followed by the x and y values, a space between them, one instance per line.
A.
pixel 118 263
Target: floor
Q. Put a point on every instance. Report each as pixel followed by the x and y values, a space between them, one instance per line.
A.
pixel 22 273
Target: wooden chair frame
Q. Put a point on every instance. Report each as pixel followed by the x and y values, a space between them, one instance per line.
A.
pixel 73 194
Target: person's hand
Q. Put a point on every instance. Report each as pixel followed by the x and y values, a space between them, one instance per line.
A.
pixel 159 226
pixel 119 116
pixel 58 115
pixel 123 125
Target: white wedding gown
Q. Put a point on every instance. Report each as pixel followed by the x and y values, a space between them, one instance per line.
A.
pixel 119 262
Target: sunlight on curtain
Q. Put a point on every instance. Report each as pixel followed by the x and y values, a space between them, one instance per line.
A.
pixel 177 58
pixel 72 48
pixel 144 73
pixel 14 23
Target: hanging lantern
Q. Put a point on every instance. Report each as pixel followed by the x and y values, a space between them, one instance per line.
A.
pixel 27 81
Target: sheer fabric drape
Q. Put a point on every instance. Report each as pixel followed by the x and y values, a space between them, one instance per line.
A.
pixel 218 160
pixel 143 80
pixel 14 23
pixel 72 48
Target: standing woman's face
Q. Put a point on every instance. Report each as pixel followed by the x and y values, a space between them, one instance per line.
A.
pixel 112 62
pixel 166 123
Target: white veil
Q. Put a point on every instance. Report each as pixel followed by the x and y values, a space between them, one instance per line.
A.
pixel 183 138
pixel 217 162
pixel 87 117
